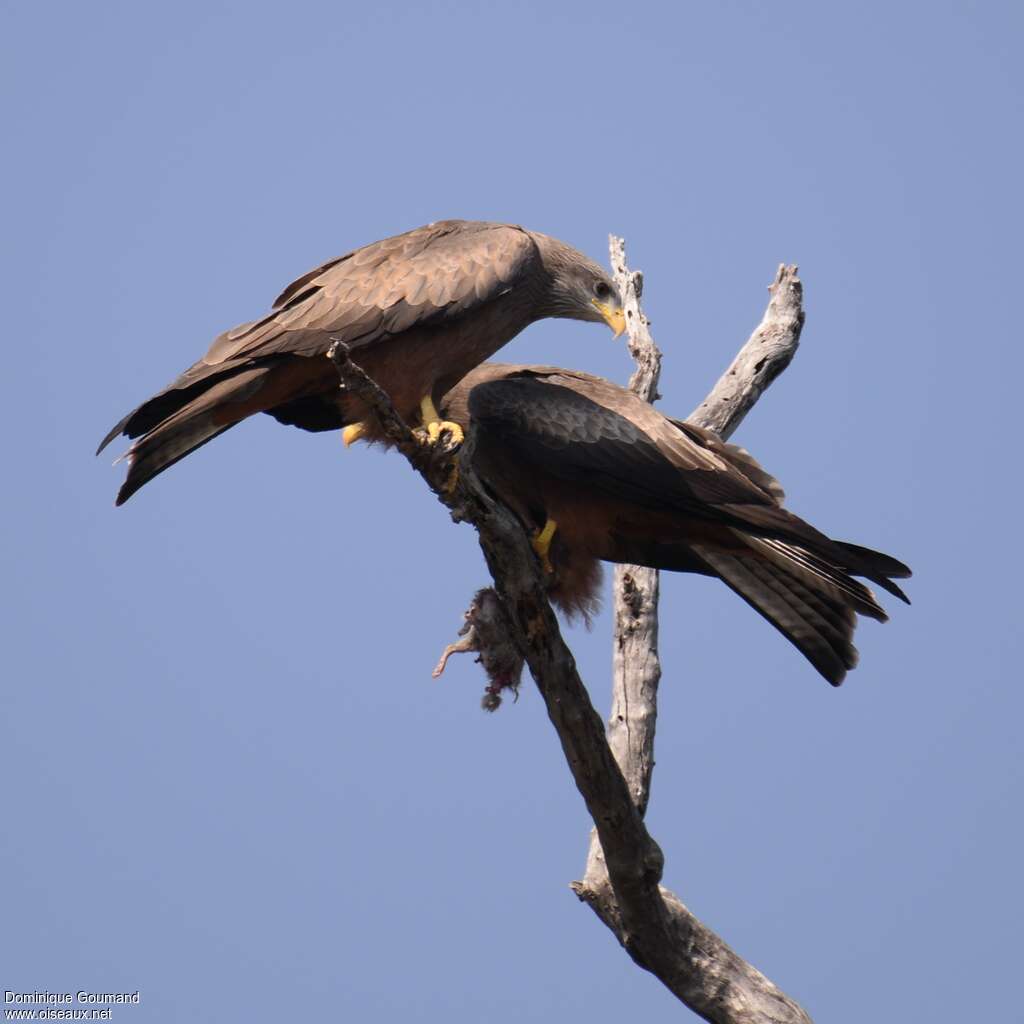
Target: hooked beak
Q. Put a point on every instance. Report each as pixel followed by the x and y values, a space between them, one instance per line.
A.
pixel 613 317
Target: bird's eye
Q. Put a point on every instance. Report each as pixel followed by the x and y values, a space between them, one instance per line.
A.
pixel 601 290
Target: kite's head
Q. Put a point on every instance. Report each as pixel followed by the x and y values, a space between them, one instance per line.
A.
pixel 579 288
pixel 595 296
pixel 606 301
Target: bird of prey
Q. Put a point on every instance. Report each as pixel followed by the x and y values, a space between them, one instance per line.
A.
pixel 594 472
pixel 418 312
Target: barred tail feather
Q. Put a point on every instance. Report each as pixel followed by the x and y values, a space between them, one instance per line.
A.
pixel 816 615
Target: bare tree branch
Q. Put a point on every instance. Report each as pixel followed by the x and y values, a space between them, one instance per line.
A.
pixel 645 353
pixel 636 668
pixel 707 975
pixel 768 351
pixel 653 926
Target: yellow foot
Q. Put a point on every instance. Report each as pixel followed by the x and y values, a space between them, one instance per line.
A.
pixel 353 432
pixel 435 429
pixel 541 544
pixel 435 426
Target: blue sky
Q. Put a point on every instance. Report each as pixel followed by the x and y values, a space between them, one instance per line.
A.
pixel 230 782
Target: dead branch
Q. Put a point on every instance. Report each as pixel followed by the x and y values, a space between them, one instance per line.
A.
pixel 708 976
pixel 768 351
pixel 653 926
pixel 636 667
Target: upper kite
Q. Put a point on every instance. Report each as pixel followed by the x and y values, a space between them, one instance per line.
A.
pixel 419 311
pixel 595 472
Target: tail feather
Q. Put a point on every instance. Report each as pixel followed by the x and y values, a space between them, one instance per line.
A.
pixel 819 574
pixel 215 410
pixel 162 406
pixel 775 522
pixel 154 454
pixel 877 567
pixel 116 431
pixel 815 612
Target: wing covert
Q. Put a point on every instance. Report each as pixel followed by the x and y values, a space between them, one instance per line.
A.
pixel 569 434
pixel 425 276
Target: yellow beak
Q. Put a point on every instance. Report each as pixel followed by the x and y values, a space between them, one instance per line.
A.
pixel 613 317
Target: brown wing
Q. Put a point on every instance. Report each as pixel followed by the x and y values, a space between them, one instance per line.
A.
pixel 456 407
pixel 424 276
pixel 739 457
pixel 589 431
pixel 600 436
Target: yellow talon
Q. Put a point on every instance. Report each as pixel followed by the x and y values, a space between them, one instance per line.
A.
pixel 435 426
pixel 352 433
pixel 541 544
pixel 435 429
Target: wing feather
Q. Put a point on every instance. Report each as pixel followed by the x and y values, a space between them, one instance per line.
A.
pixel 624 450
pixel 423 277
pixel 594 434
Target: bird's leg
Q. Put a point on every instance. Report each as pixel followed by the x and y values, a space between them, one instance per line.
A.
pixel 541 544
pixel 354 432
pixel 435 425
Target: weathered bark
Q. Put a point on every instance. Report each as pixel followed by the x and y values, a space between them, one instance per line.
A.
pixel 636 668
pixel 653 925
pixel 768 351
